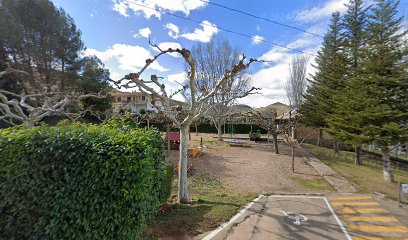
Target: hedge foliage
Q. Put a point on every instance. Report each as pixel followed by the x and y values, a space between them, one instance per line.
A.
pixel 80 181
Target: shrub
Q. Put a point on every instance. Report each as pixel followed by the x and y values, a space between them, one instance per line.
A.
pixel 167 183
pixel 255 136
pixel 80 181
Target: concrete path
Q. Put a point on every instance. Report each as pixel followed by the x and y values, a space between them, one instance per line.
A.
pixel 336 180
pixel 296 217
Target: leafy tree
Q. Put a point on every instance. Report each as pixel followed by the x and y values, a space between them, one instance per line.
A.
pixel 39 39
pixel 94 75
pixel 69 45
pixel 328 79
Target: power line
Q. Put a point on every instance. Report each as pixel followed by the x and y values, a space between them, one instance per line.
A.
pixel 220 28
pixel 262 18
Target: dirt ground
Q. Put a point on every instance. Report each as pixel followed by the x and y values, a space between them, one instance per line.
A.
pixel 255 168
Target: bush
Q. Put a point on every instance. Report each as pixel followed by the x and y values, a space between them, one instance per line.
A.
pixel 167 183
pixel 255 136
pixel 80 181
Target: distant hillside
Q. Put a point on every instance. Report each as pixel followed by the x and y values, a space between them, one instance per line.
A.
pixel 240 108
pixel 279 107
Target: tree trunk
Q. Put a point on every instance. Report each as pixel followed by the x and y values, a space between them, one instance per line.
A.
pixel 219 130
pixel 275 142
pixel 320 138
pixel 293 159
pixel 62 87
pixel 336 147
pixel 182 184
pixel 388 176
pixel 168 139
pixel 196 127
pixel 357 155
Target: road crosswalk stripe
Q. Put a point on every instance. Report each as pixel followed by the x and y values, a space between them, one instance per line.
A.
pixel 377 229
pixel 369 219
pixel 361 210
pixel 355 204
pixel 350 198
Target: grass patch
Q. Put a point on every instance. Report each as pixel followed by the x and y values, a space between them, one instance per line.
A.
pixel 366 178
pixel 213 206
pixel 313 184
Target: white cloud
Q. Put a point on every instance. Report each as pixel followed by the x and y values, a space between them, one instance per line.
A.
pixel 272 77
pixel 202 35
pixel 257 40
pixel 323 11
pixel 173 30
pixel 147 7
pixel 144 32
pixel 126 57
pixel 177 78
pixel 166 45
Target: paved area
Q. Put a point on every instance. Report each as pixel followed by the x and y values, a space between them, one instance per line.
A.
pixel 359 217
pixel 365 218
pixel 336 180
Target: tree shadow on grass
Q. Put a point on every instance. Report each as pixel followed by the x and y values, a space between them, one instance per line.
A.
pixel 186 221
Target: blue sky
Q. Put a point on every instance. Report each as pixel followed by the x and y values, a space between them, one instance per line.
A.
pixel 116 31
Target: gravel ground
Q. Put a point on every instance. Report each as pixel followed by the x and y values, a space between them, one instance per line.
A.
pixel 252 169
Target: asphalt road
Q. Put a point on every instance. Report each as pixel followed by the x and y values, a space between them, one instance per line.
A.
pixel 352 216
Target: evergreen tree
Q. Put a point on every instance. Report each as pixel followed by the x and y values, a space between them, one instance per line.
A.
pixel 386 80
pixel 354 23
pixel 328 79
pixel 344 122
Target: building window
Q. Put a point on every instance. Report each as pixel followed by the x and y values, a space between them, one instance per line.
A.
pixel 143 98
pixel 118 99
pixel 129 99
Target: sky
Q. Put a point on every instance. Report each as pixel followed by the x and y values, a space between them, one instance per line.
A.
pixel 117 31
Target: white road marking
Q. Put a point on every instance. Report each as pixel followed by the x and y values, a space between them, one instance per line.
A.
pixel 216 231
pixel 231 221
pixel 298 218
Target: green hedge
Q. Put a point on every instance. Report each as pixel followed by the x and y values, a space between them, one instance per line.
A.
pixel 80 181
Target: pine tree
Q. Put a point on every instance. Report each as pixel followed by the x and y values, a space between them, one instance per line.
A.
pixel 354 24
pixel 385 80
pixel 339 121
pixel 328 79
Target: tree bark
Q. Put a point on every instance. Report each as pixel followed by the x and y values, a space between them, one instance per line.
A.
pixel 357 155
pixel 182 184
pixel 196 128
pixel 62 83
pixel 293 159
pixel 320 138
pixel 275 143
pixel 168 139
pixel 336 147
pixel 219 130
pixel 388 176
